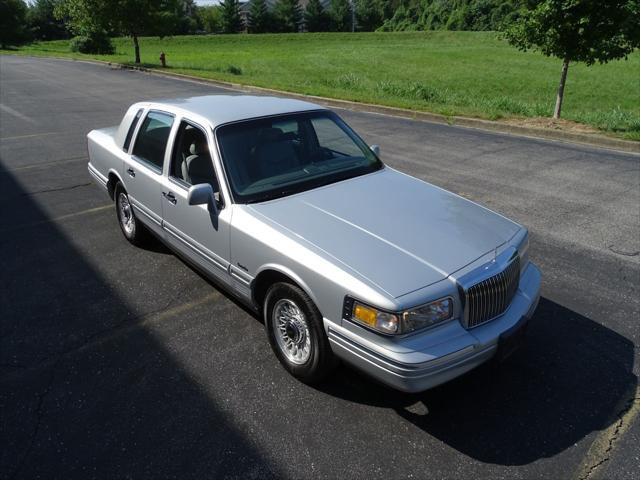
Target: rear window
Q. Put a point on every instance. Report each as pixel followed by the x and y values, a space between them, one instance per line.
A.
pixel 132 129
pixel 151 141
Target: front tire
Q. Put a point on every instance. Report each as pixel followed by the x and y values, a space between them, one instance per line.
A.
pixel 131 227
pixel 296 333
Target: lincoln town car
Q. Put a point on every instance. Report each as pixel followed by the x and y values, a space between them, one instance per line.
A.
pixel 280 203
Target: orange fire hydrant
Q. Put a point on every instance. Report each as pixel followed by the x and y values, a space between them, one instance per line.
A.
pixel 163 59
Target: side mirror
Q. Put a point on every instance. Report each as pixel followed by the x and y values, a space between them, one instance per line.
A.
pixel 202 194
pixel 375 149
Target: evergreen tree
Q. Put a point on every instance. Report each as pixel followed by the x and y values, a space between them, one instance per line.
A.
pixel 369 14
pixel 230 21
pixel 260 18
pixel 288 15
pixel 315 18
pixel 43 22
pixel 13 22
pixel 185 13
pixel 340 12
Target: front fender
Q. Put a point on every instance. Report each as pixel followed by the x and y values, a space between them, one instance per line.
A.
pixel 292 275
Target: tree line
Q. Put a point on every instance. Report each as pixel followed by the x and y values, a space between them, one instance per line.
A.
pixel 584 31
pixel 55 19
pixel 263 16
pixel 97 20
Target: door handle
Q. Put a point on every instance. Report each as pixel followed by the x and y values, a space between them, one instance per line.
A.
pixel 131 172
pixel 170 197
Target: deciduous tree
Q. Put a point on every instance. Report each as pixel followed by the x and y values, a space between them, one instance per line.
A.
pixel 128 17
pixel 577 31
pixel 210 18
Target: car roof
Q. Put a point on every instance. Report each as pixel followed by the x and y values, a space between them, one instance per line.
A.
pixel 220 109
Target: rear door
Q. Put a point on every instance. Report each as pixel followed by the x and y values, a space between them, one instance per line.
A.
pixel 195 230
pixel 142 174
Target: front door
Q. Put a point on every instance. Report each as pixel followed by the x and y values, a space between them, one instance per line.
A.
pixel 142 174
pixel 196 231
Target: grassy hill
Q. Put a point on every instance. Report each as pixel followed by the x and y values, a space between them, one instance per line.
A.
pixel 453 73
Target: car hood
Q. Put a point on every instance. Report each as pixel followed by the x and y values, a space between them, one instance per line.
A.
pixel 400 233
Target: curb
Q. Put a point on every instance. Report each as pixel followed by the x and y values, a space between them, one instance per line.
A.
pixel 600 141
pixel 488 125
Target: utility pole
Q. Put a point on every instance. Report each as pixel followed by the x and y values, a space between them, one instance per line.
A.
pixel 353 16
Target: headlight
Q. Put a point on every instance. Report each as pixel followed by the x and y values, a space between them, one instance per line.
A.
pixel 406 322
pixel 427 315
pixel 378 320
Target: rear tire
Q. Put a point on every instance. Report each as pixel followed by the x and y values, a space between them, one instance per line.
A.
pixel 131 227
pixel 296 333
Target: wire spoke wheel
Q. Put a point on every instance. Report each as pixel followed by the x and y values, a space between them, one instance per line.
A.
pixel 291 331
pixel 126 215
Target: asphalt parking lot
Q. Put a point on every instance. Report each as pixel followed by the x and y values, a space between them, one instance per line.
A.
pixel 117 362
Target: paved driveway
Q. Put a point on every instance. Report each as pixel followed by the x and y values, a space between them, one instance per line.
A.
pixel 123 362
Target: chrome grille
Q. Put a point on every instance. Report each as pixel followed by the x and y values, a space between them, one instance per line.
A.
pixel 491 297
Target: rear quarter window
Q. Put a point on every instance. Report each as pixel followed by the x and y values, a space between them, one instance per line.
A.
pixel 132 129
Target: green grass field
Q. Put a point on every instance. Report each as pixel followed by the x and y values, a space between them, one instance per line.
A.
pixel 452 73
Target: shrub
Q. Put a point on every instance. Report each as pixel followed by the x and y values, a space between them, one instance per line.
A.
pixel 98 43
pixel 233 70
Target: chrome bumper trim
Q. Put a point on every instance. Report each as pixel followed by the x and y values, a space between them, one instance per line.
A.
pixel 391 365
pixel 100 179
pixel 414 377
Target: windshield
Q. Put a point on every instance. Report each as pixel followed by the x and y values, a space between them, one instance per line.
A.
pixel 273 157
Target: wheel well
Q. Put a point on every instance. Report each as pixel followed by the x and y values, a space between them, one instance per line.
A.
pixel 111 184
pixel 264 280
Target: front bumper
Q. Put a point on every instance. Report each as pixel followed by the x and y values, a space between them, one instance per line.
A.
pixel 463 351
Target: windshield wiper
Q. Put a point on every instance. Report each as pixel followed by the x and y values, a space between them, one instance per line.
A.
pixel 273 195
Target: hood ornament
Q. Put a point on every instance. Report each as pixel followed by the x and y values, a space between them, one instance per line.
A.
pixel 493 261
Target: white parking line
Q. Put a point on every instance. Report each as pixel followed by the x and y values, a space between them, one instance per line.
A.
pixel 16 113
pixel 31 135
pixel 47 164
pixel 57 219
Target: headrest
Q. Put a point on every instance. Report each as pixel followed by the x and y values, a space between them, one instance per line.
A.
pixel 270 134
pixel 198 146
pixel 194 138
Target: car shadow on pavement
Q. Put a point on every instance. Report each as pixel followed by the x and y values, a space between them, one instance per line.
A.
pixel 86 387
pixel 570 378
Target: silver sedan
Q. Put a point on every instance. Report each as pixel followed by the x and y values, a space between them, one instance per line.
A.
pixel 286 207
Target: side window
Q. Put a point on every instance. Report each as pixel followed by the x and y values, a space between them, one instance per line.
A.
pixel 151 141
pixel 191 161
pixel 132 129
pixel 332 137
